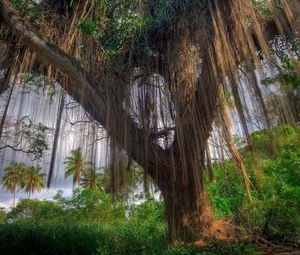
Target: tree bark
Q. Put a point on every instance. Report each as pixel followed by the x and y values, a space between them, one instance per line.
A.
pixel 187 209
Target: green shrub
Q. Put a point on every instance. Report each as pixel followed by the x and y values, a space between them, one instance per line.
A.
pixel 102 228
pixel 85 206
pixel 215 248
pixel 117 239
pixel 275 186
pixel 151 211
pixel 81 239
pixel 228 193
pixel 2 216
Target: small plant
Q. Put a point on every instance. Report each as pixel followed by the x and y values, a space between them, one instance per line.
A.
pixel 89 28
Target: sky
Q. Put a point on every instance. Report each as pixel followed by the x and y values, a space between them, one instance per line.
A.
pixel 6 198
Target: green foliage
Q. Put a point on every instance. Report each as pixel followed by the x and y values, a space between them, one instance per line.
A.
pixel 75 165
pixel 13 177
pixel 2 216
pixel 282 187
pixel 150 211
pixel 24 6
pixel 69 226
pixel 36 135
pixel 124 29
pixel 35 211
pixel 20 176
pixel 91 178
pixel 214 248
pixel 287 75
pixel 34 179
pixel 263 6
pixel 117 239
pixel 90 221
pixel 81 239
pixel 275 182
pixel 85 206
pixel 39 142
pixel 105 239
pixel 89 28
pixel 282 137
pixel 37 83
pixel 226 195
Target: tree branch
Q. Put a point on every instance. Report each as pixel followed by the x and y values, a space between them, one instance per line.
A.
pixel 85 89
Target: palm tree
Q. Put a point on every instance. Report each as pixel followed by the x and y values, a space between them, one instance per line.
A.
pixel 123 178
pixel 90 178
pixel 13 177
pixel 34 179
pixel 75 165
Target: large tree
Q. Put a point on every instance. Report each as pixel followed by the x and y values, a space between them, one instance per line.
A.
pixel 150 73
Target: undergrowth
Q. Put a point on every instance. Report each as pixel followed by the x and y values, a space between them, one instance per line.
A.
pixel 89 222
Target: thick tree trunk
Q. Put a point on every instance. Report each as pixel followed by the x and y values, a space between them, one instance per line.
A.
pixel 188 211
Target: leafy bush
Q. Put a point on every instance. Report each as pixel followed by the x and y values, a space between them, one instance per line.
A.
pixel 2 216
pixel 275 179
pixel 89 222
pixel 282 190
pixel 226 194
pixel 150 211
pixel 117 239
pixel 89 28
pixel 85 206
pixel 80 239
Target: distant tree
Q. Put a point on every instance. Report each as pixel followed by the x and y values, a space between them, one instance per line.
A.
pixel 128 177
pixel 34 179
pixel 75 165
pixel 23 135
pixel 90 178
pixel 13 177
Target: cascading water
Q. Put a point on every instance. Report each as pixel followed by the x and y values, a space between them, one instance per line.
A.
pixel 77 130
